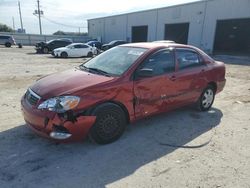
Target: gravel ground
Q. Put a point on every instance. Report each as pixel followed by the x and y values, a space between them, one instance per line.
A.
pixel 138 159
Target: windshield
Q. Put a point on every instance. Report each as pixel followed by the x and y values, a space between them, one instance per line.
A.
pixel 112 42
pixel 71 45
pixel 116 60
pixel 49 41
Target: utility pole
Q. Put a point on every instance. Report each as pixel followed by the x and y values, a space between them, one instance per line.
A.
pixel 20 14
pixel 39 16
pixel 13 22
pixel 39 13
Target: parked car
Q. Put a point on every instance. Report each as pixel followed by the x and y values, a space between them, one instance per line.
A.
pixel 46 47
pixel 7 40
pixel 121 85
pixel 75 50
pixel 95 43
pixel 113 44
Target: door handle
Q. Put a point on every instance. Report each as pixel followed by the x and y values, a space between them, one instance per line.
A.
pixel 172 78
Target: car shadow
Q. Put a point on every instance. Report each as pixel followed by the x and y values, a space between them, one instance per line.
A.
pixel 52 57
pixel 35 53
pixel 28 160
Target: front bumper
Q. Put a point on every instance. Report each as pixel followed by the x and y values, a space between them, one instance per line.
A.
pixel 220 85
pixel 56 54
pixel 46 124
pixel 38 49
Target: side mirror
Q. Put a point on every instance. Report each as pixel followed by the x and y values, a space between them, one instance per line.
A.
pixel 145 73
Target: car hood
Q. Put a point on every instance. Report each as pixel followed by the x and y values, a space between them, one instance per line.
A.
pixel 66 83
pixel 61 49
pixel 105 45
pixel 40 44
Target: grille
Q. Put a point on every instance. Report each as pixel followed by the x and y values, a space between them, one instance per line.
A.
pixel 31 97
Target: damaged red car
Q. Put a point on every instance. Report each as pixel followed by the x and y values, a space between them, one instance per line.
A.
pixel 124 84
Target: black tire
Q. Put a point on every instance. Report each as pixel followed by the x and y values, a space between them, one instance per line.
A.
pixel 8 45
pixel 64 55
pixel 90 54
pixel 45 50
pixel 206 99
pixel 110 124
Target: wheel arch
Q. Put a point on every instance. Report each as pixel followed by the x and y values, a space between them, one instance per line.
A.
pixel 214 85
pixel 64 52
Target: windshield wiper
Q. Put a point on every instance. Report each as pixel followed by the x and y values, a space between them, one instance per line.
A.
pixel 95 70
pixel 99 71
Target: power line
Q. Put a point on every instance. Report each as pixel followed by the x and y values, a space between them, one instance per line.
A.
pixel 65 25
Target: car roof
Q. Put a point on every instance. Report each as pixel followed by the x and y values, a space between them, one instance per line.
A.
pixel 77 43
pixel 6 35
pixel 151 45
pixel 117 41
pixel 64 40
pixel 92 41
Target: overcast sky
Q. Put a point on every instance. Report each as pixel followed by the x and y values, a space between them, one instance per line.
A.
pixel 71 13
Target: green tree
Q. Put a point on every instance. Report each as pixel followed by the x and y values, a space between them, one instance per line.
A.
pixel 59 33
pixel 5 28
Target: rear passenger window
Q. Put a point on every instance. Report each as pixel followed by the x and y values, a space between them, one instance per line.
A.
pixel 84 46
pixel 160 62
pixel 78 46
pixel 187 58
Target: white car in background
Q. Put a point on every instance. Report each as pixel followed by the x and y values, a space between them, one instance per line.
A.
pixel 75 50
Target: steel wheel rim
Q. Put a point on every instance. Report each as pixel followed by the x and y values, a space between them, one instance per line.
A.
pixel 109 126
pixel 207 98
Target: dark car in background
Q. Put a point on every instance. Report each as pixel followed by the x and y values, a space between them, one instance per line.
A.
pixel 95 43
pixel 7 40
pixel 46 47
pixel 113 44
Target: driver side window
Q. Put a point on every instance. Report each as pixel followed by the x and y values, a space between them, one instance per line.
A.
pixel 160 62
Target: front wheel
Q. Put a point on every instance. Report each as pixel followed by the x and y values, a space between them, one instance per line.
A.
pixel 45 50
pixel 110 124
pixel 64 55
pixel 8 45
pixel 206 99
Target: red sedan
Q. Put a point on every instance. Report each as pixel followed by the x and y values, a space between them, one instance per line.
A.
pixel 123 84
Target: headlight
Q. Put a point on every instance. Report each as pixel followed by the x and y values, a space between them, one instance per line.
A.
pixel 60 104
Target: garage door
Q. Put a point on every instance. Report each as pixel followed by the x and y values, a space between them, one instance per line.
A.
pixel 177 32
pixel 140 33
pixel 232 36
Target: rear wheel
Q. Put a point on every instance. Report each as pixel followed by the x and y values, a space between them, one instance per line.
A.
pixel 8 45
pixel 110 124
pixel 90 54
pixel 64 55
pixel 207 98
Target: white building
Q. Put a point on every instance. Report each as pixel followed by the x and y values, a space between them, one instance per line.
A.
pixel 212 25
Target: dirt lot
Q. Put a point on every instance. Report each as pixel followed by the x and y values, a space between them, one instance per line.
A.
pixel 137 159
